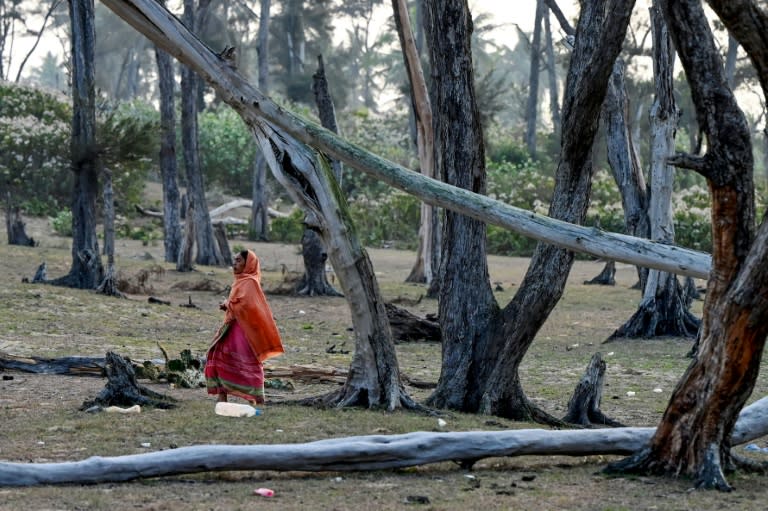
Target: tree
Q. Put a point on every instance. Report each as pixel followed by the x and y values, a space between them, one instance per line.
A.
pixel 208 252
pixel 484 345
pixel 531 113
pixel 423 270
pixel 86 271
pixel 695 433
pixel 259 199
pixel 168 164
pixel 663 310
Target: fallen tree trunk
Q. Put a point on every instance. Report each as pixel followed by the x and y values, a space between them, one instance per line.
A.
pixel 373 452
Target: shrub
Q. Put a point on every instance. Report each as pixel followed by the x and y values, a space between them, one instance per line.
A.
pixel 62 223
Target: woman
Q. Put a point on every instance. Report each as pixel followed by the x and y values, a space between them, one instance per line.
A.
pixel 248 337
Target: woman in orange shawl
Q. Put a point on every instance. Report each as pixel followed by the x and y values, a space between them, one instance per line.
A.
pixel 248 337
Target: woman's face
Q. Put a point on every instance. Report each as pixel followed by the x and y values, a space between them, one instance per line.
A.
pixel 238 264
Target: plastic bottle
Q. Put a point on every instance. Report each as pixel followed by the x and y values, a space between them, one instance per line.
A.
pixel 235 410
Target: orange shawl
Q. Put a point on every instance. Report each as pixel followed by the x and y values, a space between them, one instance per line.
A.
pixel 248 306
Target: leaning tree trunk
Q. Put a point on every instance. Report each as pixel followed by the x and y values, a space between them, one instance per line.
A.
pixel 86 271
pixel 374 377
pixel 662 311
pixel 599 35
pixel 694 436
pixel 168 166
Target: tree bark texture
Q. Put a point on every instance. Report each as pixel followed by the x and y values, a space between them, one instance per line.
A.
pixel 260 198
pixel 695 433
pixel 466 305
pixel 168 166
pixel 373 452
pixel 554 102
pixel 315 257
pixel 584 405
pixel 86 271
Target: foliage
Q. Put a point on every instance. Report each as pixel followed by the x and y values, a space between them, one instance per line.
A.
pixel 289 229
pixel 390 221
pixel 34 135
pixel 35 162
pixel 62 223
pixel 227 151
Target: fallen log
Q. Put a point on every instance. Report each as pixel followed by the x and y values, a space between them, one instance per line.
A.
pixel 69 366
pixel 373 452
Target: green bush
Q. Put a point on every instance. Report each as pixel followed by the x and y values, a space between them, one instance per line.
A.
pixel 62 223
pixel 288 229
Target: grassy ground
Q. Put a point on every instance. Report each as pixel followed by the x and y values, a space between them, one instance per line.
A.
pixel 41 421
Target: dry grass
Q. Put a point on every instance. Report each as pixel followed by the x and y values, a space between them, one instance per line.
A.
pixel 40 421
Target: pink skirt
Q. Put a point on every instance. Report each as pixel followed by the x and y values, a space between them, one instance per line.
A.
pixel 232 368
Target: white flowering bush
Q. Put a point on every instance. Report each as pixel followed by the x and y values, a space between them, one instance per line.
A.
pixel 34 136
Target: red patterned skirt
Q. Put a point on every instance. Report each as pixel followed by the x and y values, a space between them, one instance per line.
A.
pixel 232 368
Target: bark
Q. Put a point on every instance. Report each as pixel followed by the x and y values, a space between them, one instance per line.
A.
pixel 220 233
pixel 168 165
pixel 108 286
pixel 373 452
pixel 408 327
pixel 249 102
pixel 86 271
pixel 696 430
pixel 531 110
pixel 423 269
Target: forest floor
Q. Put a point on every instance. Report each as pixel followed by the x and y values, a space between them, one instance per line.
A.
pixel 41 421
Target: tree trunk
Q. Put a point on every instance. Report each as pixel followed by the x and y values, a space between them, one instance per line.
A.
pixel 168 165
pixel 662 311
pixel 483 346
pixel 314 282
pixel 554 102
pixel 207 249
pixel 624 161
pixel 186 249
pixel 108 286
pixel 531 110
pixel 15 227
pixel 86 271
pixel 423 268
pixel 695 434
pixel 260 200
pixel 606 277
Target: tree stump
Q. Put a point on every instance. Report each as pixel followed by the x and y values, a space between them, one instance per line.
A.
pixel 123 390
pixel 17 234
pixel 584 405
pixel 314 282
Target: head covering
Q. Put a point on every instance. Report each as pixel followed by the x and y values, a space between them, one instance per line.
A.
pixel 248 306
